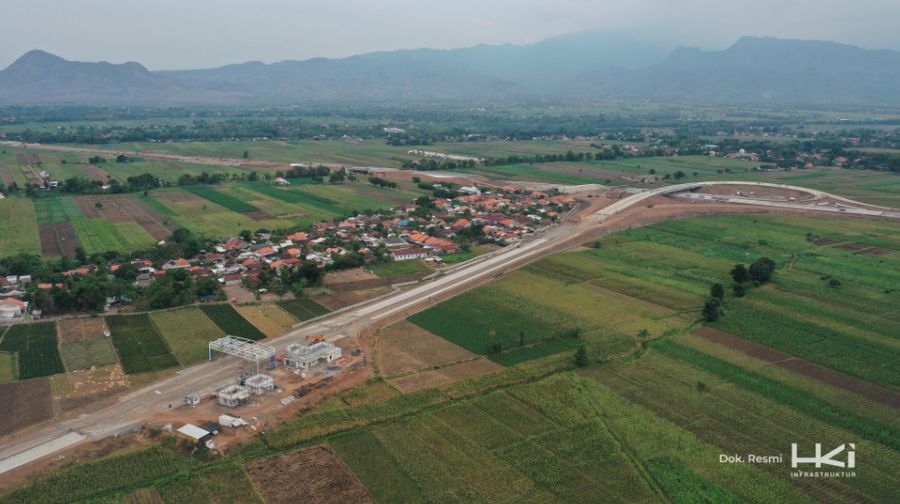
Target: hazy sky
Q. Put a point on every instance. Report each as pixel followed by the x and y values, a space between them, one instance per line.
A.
pixel 170 34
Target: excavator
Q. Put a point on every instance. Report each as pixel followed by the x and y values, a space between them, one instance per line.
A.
pixel 315 338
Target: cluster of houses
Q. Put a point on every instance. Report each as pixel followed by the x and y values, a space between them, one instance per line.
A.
pixel 406 232
pixel 12 305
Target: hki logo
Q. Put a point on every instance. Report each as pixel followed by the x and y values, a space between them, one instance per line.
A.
pixel 828 459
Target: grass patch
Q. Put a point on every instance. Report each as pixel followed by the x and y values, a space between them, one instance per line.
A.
pixel 89 353
pixel 399 268
pixel 7 367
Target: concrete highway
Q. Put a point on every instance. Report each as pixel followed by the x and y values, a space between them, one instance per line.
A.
pixel 139 406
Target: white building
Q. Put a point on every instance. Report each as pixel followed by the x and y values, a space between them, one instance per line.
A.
pixel 409 254
pixel 304 357
pixel 233 396
pixel 259 384
pixel 11 309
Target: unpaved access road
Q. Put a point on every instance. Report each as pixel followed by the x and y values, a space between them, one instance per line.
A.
pixel 632 211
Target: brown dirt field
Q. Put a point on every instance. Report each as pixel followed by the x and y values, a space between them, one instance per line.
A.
pixel 802 367
pixel 176 196
pixel 769 193
pixel 24 403
pixel 50 246
pixel 443 376
pixel 80 329
pixel 877 251
pixel 96 173
pixel 419 381
pixel 24 157
pixel 86 205
pixel 372 283
pixel 405 347
pixel 6 175
pixel 825 241
pixel 117 208
pixel 338 301
pixel 258 215
pixel 350 275
pixel 312 475
pixel 149 218
pixel 87 386
pixel 470 369
pixel 853 247
pixel 748 347
pixel 67 238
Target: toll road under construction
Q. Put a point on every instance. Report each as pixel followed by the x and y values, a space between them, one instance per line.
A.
pixel 261 355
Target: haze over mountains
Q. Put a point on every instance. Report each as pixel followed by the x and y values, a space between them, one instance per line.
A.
pixel 572 67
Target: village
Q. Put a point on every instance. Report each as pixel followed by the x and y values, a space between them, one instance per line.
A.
pixel 424 230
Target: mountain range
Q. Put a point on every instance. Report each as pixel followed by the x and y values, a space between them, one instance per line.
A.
pixel 580 66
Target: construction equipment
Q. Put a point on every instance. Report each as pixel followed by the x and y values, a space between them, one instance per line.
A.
pixel 315 338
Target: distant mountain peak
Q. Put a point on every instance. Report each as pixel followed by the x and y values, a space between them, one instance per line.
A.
pixel 37 57
pixel 574 66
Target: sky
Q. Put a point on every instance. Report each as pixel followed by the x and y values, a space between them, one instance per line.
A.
pixel 177 34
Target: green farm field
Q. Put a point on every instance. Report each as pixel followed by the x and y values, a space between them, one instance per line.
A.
pixel 36 349
pixel 303 308
pixel 139 345
pixel 187 332
pixel 399 268
pixel 210 219
pixel 100 235
pixel 653 280
pixel 18 227
pixel 531 312
pixel 231 322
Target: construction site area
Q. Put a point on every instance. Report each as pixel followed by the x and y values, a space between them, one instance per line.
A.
pixel 269 387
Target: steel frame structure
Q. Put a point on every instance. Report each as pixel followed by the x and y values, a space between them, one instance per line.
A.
pixel 243 348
